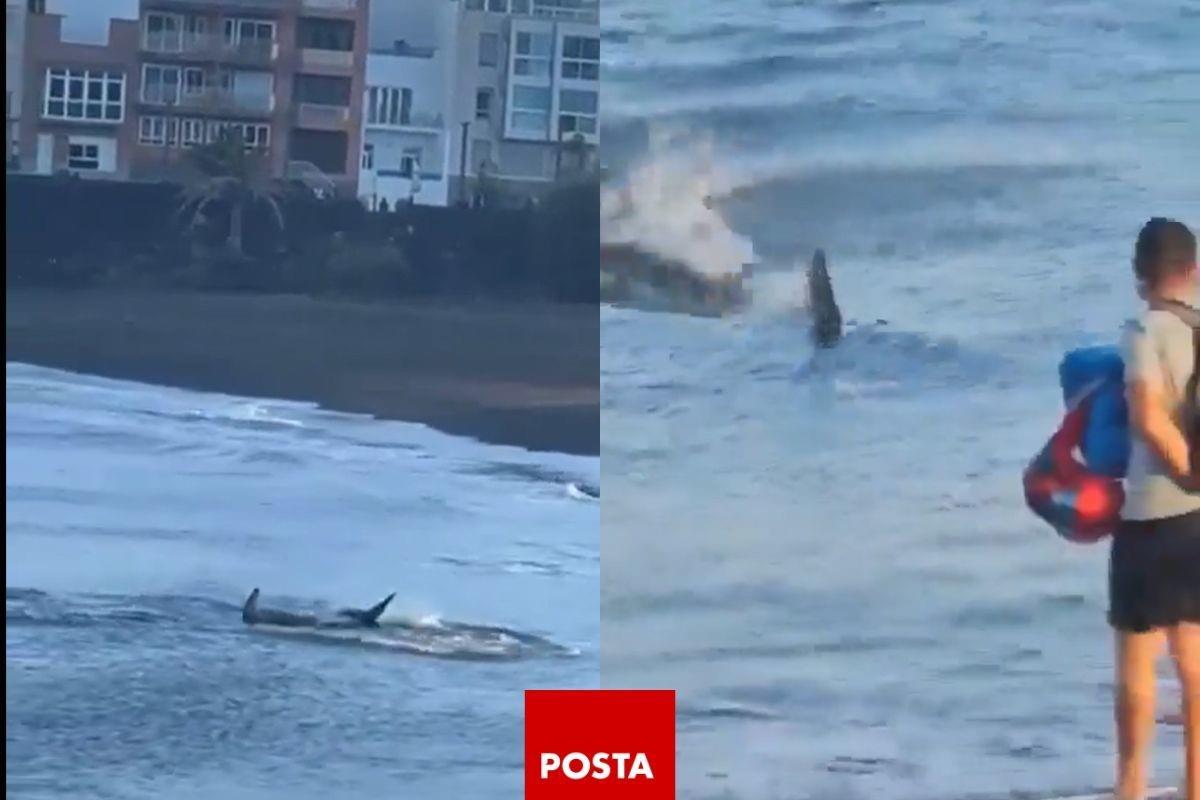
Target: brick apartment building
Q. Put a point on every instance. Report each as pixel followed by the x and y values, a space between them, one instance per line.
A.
pixel 288 73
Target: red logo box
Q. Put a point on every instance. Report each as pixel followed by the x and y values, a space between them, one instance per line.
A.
pixel 599 744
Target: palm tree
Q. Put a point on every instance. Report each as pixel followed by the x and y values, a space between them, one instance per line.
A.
pixel 228 173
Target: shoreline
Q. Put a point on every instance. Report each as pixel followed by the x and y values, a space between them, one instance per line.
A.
pixel 507 373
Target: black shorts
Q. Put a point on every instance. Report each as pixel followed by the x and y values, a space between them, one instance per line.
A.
pixel 1154 573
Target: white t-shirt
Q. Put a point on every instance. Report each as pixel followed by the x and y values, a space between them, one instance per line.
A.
pixel 1158 349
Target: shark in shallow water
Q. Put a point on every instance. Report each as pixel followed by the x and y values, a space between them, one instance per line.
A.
pixel 253 614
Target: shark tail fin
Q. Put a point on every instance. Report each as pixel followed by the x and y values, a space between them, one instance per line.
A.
pixel 371 615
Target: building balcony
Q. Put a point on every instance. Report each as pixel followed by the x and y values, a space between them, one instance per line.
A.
pixel 416 122
pixel 267 7
pixel 321 117
pixel 217 101
pixel 211 47
pixel 335 62
pixel 337 7
pixel 567 10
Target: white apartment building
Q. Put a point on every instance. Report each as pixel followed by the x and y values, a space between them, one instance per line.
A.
pixel 407 111
pixel 519 94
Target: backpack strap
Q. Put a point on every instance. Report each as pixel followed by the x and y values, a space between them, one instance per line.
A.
pixel 1191 317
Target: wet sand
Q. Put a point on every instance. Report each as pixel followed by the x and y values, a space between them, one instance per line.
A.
pixel 524 374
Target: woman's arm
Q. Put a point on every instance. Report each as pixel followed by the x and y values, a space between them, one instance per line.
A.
pixel 1149 418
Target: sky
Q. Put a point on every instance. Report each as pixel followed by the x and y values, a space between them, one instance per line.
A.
pixel 86 21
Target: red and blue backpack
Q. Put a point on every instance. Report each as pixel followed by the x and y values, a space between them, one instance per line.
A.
pixel 1074 482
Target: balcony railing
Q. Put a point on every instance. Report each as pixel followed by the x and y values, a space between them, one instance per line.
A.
pixel 319 115
pixel 211 47
pixel 570 10
pixel 259 6
pixel 312 58
pixel 422 120
pixel 217 100
pixel 329 5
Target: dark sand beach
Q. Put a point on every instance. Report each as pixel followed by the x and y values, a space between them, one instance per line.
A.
pixel 524 374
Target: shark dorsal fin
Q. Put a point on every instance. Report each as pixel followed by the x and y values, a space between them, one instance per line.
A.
pixel 371 615
pixel 250 608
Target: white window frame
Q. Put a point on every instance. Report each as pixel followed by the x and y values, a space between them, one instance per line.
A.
pixel 163 69
pixel 368 156
pixel 256 135
pixel 526 62
pixel 520 111
pixel 151 131
pixel 410 162
pixel 89 153
pixel 233 28
pixel 161 42
pixel 159 131
pixel 192 132
pixel 60 106
pixel 580 64
pixel 589 119
pixel 484 112
pixel 193 91
pixel 195 31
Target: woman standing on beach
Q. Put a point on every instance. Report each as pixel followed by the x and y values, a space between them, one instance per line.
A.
pixel 1154 571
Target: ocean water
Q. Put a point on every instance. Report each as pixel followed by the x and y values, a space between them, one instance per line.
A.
pixel 139 518
pixel 828 554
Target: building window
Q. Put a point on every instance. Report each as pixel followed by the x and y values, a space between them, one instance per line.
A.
pixel 256 136
pixel 84 95
pixel 489 49
pixel 151 130
pixel 252 35
pixel 164 33
pixel 532 54
pixel 160 84
pixel 192 131
pixel 195 30
pixel 483 104
pixel 83 156
pixel 581 58
pixel 193 81
pixel 159 131
pixel 498 6
pixel 389 106
pixel 410 162
pixel 577 111
pixel 531 109
pixel 406 106
pixel 324 90
pixel 368 156
pixel 475 5
pixel 313 33
pixel 520 6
